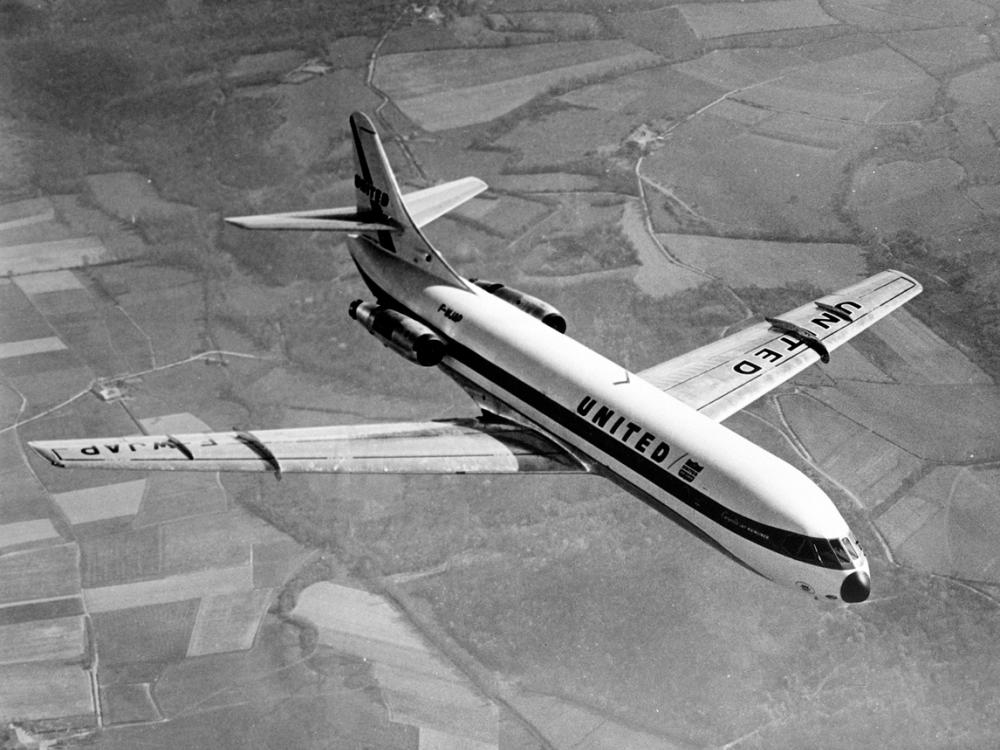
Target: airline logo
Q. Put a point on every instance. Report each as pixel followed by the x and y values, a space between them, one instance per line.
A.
pixel 633 435
pixel 377 196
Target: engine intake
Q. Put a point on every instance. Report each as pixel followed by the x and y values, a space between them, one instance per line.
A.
pixel 399 332
pixel 535 307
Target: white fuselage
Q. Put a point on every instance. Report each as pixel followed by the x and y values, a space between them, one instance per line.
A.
pixel 756 507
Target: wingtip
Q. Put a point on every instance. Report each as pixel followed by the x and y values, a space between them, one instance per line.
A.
pixel 47 453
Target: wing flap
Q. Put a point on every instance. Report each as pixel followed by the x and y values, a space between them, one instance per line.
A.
pixel 446 447
pixel 721 378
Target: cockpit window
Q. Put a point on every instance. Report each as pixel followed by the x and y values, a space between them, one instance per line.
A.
pixel 839 550
pixel 850 547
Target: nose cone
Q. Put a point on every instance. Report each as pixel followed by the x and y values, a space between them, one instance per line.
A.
pixel 856 587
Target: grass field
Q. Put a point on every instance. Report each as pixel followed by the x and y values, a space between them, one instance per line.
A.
pixel 455 88
pixel 47 572
pixel 228 622
pixel 112 559
pixel 740 263
pixel 105 501
pixel 59 639
pixel 168 589
pixel 727 19
pixel 44 691
pixel 870 466
pixel 157 632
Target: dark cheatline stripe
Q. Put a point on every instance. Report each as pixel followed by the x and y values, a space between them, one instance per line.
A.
pixel 769 537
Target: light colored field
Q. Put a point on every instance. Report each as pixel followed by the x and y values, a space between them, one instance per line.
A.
pixel 726 179
pixel 802 128
pixel 977 87
pixel 727 19
pixel 870 466
pixel 974 524
pixel 130 196
pixel 171 423
pixel 947 423
pixel 51 256
pixel 43 573
pixel 943 50
pixel 566 725
pixel 552 182
pixel 214 540
pixel 455 88
pixel 904 519
pixel 930 358
pixel 228 622
pixel 893 15
pixel 62 639
pixel 730 70
pixel 768 264
pixel 924 197
pixel 107 501
pixel 44 691
pixel 53 281
pixel 171 496
pixel 30 346
pixel 562 136
pixel 418 685
pixel 658 276
pixel 658 93
pixel 169 589
pixel 26 531
pixel 24 213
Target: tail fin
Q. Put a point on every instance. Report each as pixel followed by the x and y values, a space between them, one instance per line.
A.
pixel 384 217
pixel 380 202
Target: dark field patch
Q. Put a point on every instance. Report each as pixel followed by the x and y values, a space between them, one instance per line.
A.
pixel 128 703
pixel 41 610
pixel 120 558
pixel 155 633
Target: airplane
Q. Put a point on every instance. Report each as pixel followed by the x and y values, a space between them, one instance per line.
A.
pixel 546 402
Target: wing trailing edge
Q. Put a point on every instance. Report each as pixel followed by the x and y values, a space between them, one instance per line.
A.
pixel 445 447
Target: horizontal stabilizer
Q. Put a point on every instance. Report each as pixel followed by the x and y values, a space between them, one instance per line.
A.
pixel 323 220
pixel 423 206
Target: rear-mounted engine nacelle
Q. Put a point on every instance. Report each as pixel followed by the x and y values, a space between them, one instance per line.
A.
pixel 535 307
pixel 402 334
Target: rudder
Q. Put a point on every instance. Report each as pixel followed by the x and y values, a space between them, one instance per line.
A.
pixel 380 201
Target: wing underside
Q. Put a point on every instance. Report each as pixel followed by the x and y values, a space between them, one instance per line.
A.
pixel 444 447
pixel 723 377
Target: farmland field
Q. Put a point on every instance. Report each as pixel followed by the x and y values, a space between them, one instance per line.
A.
pixel 40 691
pixel 449 89
pixel 42 573
pixel 726 19
pixel 59 639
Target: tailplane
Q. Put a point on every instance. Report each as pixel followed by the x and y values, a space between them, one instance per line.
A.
pixel 382 215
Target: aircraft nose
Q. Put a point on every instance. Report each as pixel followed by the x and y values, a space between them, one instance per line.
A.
pixel 856 587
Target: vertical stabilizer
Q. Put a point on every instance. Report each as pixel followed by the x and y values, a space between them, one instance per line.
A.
pixel 380 202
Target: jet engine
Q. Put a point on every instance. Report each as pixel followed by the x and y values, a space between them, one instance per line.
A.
pixel 399 332
pixel 535 307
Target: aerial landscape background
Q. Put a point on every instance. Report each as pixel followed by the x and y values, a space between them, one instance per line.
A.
pixel 664 173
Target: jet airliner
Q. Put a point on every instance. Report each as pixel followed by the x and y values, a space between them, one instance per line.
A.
pixel 546 402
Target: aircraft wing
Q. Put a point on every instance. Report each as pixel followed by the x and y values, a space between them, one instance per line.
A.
pixel 447 447
pixel 723 377
pixel 423 206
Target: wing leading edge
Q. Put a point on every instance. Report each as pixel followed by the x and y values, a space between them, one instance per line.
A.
pixel 723 377
pixel 445 447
